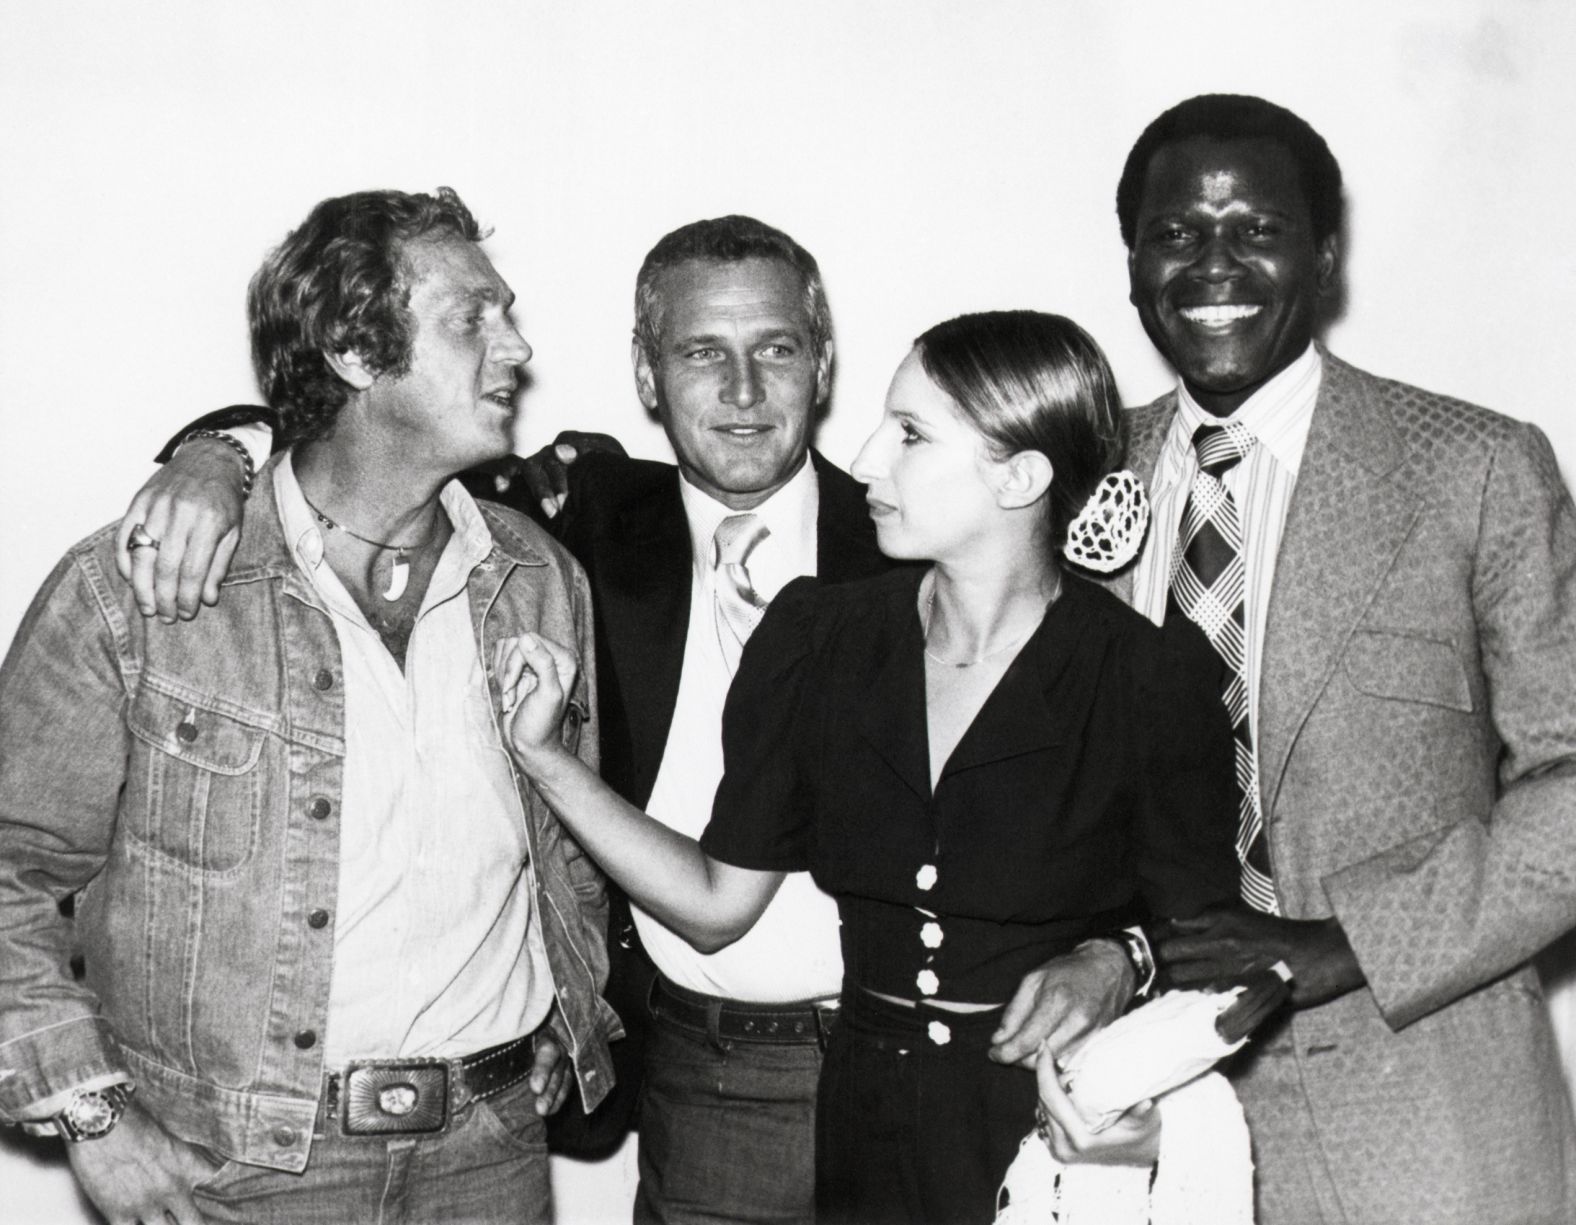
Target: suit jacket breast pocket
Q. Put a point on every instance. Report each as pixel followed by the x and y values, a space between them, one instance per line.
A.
pixel 1408 666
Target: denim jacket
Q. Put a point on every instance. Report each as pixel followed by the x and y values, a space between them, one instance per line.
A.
pixel 183 783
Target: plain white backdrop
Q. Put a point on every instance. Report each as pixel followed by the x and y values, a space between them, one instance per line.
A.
pixel 937 157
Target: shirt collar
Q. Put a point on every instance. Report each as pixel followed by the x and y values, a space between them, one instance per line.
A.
pixel 1278 414
pixel 788 513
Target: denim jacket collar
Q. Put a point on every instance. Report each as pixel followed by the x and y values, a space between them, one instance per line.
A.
pixel 264 553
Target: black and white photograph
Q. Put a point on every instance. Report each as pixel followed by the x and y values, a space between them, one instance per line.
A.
pixel 857 612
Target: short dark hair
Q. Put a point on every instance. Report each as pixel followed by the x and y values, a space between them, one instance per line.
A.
pixel 1223 117
pixel 1030 381
pixel 726 240
pixel 337 283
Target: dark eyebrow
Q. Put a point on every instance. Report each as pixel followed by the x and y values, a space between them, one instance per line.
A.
pixel 481 295
pixel 693 339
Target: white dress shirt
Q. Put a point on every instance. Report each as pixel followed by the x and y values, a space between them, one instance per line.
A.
pixel 793 951
pixel 1278 414
pixel 437 951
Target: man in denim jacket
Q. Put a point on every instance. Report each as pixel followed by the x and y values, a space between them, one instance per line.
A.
pixel 333 950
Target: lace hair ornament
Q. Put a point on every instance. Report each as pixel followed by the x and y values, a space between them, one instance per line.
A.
pixel 1109 529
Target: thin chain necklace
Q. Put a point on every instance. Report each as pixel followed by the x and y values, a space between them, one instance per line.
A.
pixel 399 570
pixel 924 626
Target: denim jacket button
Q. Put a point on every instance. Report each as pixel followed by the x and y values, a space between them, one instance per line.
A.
pixel 319 809
pixel 318 918
pixel 186 731
pixel 306 1039
pixel 323 680
pixel 284 1137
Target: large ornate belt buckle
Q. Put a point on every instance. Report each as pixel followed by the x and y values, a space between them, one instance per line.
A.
pixel 383 1097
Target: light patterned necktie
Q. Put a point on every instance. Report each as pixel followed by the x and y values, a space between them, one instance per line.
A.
pixel 738 608
pixel 1208 579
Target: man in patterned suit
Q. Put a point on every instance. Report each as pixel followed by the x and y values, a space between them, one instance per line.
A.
pixel 1393 582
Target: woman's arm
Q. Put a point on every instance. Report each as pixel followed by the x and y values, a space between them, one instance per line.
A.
pixel 709 903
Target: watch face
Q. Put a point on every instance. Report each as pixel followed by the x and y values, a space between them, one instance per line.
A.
pixel 91 1114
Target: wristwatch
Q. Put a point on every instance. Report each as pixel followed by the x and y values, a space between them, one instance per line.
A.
pixel 90 1114
pixel 1135 947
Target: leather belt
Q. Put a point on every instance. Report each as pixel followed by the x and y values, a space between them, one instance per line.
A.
pixel 725 1022
pixel 381 1097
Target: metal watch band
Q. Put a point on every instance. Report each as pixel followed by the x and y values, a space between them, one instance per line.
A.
pixel 91 1113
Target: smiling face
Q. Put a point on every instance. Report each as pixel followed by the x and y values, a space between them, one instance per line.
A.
pixel 931 483
pixel 454 402
pixel 736 379
pixel 1225 270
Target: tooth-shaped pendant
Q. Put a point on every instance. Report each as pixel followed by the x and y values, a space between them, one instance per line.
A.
pixel 399 575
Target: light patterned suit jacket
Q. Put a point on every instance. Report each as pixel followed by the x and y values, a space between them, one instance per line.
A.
pixel 1417 754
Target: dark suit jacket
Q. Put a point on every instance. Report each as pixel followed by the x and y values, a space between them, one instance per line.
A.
pixel 624 521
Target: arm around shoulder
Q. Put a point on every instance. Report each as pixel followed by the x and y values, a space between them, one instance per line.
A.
pixel 179 533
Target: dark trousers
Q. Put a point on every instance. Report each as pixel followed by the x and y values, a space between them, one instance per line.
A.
pixel 912 1130
pixel 727 1129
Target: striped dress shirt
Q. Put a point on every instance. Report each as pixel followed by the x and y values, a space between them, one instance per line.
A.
pixel 1278 414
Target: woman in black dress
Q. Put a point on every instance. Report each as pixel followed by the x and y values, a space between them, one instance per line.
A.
pixel 986 761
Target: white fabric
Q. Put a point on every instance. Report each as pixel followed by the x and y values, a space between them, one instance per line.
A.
pixel 1204 1176
pixel 436 951
pixel 792 952
pixel 1278 415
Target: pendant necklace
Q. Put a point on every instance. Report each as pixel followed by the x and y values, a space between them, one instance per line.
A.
pixel 924 626
pixel 399 571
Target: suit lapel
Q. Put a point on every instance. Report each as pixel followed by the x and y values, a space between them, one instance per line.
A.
pixel 645 572
pixel 1349 517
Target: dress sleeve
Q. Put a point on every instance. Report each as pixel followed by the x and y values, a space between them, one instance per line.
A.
pixel 762 815
pixel 1186 842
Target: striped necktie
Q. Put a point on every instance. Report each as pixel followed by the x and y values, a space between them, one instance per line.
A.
pixel 1208 579
pixel 738 608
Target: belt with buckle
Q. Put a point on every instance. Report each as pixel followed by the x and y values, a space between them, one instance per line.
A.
pixel 728 1021
pixel 379 1097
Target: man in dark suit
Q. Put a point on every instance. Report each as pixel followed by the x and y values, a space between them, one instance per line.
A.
pixel 1391 577
pixel 733 354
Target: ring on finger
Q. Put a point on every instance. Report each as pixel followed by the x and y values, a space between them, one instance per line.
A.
pixel 140 539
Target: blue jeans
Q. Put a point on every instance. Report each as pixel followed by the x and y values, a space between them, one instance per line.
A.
pixel 489 1168
pixel 727 1131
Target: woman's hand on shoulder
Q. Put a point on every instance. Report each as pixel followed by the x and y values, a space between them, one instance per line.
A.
pixel 535 678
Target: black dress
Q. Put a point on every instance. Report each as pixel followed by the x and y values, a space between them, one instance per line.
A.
pixel 1094 788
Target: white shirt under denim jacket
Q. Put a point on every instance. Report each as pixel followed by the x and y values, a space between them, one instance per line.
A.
pixel 187 780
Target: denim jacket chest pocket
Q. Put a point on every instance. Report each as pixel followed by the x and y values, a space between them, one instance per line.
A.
pixel 194 791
